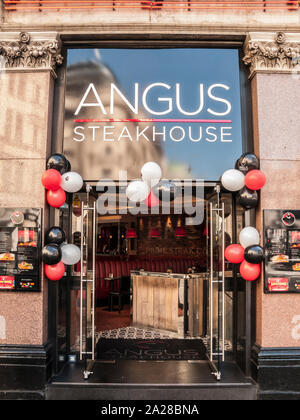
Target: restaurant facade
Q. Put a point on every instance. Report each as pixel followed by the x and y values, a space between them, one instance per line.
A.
pixel 114 95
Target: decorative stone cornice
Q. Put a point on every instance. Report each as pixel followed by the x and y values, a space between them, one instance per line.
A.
pixel 30 51
pixel 272 53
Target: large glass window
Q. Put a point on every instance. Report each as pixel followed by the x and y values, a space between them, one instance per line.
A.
pixel 178 107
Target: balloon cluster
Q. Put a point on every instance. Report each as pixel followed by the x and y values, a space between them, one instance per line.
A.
pixel 57 253
pixel 151 190
pixel 248 253
pixel 58 179
pixel 246 178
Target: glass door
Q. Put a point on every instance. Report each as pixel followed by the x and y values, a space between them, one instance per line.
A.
pixel 216 289
pixel 87 286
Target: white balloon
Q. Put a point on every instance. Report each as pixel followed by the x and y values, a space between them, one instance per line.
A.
pixel 233 180
pixel 249 236
pixel 151 173
pixel 137 191
pixel 70 254
pixel 71 182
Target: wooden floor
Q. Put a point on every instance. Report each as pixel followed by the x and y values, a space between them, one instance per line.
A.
pixel 106 320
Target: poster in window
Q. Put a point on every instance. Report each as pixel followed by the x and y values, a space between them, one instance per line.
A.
pixel 20 242
pixel 282 245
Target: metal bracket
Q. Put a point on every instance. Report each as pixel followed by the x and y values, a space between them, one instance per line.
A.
pixel 217 375
pixel 217 189
pixel 86 374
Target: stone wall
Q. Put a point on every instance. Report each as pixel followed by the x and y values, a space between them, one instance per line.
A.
pixel 276 99
pixel 26 104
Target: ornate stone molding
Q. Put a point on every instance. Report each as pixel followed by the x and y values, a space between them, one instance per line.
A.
pixel 30 51
pixel 272 53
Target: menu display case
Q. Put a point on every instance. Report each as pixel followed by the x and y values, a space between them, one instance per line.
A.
pixel 20 244
pixel 282 246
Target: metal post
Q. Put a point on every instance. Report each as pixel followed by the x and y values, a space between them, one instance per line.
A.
pixel 94 281
pixel 81 284
pixel 211 281
pixel 223 282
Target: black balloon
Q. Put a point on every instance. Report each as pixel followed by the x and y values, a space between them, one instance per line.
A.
pixel 248 199
pixel 69 167
pixel 58 162
pixel 254 254
pixel 51 254
pixel 227 240
pixel 165 191
pixel 247 162
pixel 55 235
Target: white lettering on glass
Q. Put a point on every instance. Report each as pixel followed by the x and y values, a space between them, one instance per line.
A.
pixel 99 103
pixel 82 136
pixel 93 128
pixel 142 133
pixel 157 133
pixel 192 138
pixel 216 98
pixel 191 133
pixel 125 134
pixel 213 137
pixel 178 129
pixel 168 100
pixel 107 133
pixel 178 104
pixel 223 134
pixel 114 88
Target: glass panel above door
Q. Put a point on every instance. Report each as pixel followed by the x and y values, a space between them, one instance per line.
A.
pixel 178 107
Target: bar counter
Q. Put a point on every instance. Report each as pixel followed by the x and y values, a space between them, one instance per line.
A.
pixel 168 302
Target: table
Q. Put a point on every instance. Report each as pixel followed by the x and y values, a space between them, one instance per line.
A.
pixel 111 280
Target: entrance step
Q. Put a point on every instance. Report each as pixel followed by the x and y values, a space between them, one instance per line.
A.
pixel 151 380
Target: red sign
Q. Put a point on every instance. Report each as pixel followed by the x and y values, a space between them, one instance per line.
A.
pixel 26 235
pixel 278 284
pixel 7 282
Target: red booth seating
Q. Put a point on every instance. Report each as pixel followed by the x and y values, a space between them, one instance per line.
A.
pixel 118 267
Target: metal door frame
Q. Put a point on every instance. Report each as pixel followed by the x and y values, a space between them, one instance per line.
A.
pixel 84 280
pixel 249 307
pixel 216 365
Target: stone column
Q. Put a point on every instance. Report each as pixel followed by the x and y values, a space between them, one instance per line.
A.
pixel 274 60
pixel 28 62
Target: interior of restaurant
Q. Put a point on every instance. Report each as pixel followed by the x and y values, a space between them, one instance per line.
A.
pixel 151 284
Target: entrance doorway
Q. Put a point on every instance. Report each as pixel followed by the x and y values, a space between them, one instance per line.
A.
pixel 151 287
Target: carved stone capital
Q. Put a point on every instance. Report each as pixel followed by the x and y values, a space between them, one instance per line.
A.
pixel 30 51
pixel 272 53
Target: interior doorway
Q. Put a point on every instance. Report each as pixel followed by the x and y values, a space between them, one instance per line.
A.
pixel 151 287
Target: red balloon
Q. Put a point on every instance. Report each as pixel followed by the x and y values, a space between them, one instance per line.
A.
pixel 249 272
pixel 255 179
pixel 55 272
pixel 152 200
pixel 56 198
pixel 235 253
pixel 51 179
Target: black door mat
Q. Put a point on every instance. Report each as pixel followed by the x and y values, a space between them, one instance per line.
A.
pixel 155 349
